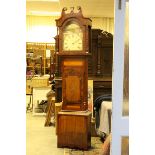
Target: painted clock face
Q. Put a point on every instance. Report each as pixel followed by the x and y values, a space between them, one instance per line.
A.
pixel 72 38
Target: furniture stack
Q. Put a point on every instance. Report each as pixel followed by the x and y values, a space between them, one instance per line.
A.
pixel 99 65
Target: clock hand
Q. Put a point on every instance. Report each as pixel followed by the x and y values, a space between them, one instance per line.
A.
pixel 75 41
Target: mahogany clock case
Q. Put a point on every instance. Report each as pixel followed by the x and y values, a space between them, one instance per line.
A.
pixel 75 82
pixel 73 45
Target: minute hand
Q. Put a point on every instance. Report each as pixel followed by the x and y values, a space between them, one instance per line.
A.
pixel 75 41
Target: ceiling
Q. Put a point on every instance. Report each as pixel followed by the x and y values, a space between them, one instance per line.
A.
pixel 90 8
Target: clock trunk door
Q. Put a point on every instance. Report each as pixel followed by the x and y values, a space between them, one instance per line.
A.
pixel 74 84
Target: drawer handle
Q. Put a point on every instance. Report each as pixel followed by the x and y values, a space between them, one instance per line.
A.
pixel 101 86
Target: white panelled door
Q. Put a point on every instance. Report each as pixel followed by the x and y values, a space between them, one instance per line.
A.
pixel 120 122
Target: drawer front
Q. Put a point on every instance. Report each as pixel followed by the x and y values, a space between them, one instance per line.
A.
pixel 99 92
pixel 102 88
pixel 103 84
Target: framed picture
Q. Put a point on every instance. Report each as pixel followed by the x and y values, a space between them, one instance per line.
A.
pixel 39 100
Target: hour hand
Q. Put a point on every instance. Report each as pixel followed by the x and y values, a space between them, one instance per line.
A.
pixel 76 41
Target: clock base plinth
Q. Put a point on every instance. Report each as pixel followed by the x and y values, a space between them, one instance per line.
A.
pixel 74 130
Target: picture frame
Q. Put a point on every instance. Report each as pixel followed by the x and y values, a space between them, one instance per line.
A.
pixel 39 95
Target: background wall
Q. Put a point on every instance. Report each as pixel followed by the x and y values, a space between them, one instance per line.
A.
pixel 43 28
pixel 40 28
pixel 104 23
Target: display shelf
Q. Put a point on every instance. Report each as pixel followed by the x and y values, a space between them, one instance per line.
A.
pixel 39 60
pixel 44 50
pixel 34 66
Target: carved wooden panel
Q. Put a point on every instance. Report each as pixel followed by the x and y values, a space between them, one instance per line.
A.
pixel 100 61
pixel 74 84
pixel 72 91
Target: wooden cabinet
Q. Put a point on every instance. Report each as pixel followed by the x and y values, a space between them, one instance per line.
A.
pixel 100 61
pixel 74 130
pixel 102 86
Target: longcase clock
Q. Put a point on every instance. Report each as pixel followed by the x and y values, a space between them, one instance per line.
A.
pixel 74 44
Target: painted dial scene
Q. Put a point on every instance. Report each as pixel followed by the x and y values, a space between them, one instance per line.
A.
pixel 72 38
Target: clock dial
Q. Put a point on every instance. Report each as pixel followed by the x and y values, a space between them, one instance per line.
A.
pixel 72 38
